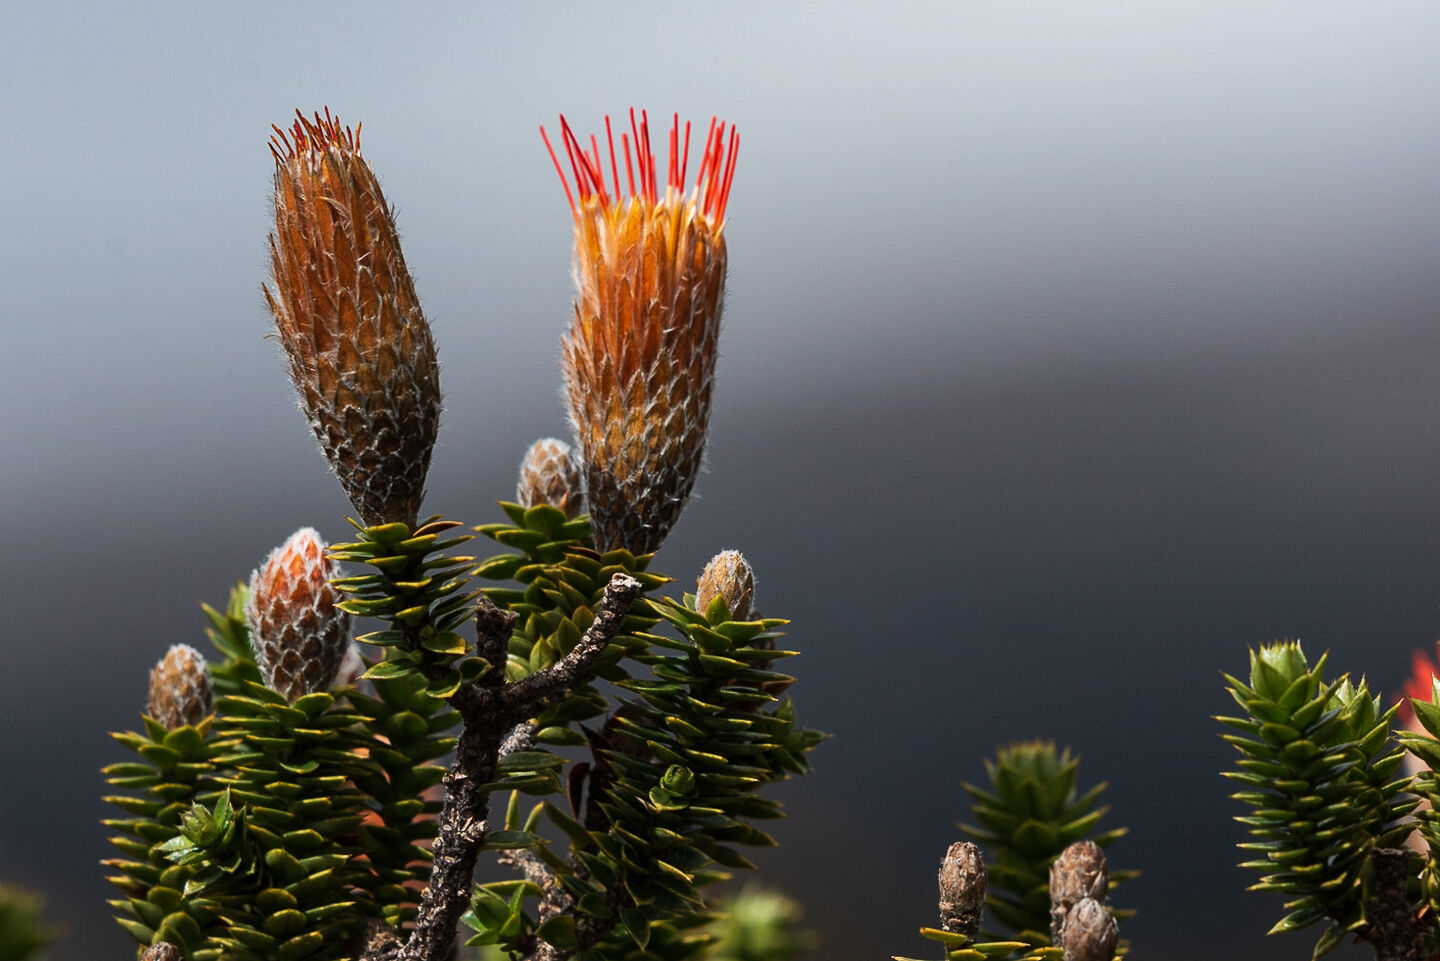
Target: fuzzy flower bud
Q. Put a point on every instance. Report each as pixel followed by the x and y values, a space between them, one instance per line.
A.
pixel 550 474
pixel 639 356
pixel 359 347
pixel 180 689
pixel 728 575
pixel 1090 933
pixel 299 633
pixel 1080 872
pixel 962 889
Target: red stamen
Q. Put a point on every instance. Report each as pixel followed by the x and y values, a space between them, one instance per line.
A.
pixel 673 174
pixel 556 160
pixel 639 154
pixel 685 154
pixel 651 193
pixel 599 170
pixel 614 173
pixel 629 168
pixel 729 173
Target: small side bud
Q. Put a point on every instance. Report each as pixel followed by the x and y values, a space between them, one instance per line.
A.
pixel 550 474
pixel 728 575
pixel 162 951
pixel 180 688
pixel 962 889
pixel 1080 873
pixel 1090 933
pixel 298 630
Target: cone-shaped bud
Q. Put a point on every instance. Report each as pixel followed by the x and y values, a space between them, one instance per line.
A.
pixel 162 951
pixel 359 347
pixel 728 575
pixel 297 628
pixel 1080 872
pixel 639 356
pixel 180 688
pixel 962 889
pixel 1090 933
pixel 550 474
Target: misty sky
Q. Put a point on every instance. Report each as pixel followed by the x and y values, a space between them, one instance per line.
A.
pixel 1068 350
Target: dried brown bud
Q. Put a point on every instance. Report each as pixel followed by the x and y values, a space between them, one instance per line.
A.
pixel 180 689
pixel 162 951
pixel 359 347
pixel 728 575
pixel 297 629
pixel 1080 872
pixel 639 357
pixel 550 474
pixel 1090 933
pixel 962 889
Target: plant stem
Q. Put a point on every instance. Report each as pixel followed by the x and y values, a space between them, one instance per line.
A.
pixel 489 709
pixel 1394 931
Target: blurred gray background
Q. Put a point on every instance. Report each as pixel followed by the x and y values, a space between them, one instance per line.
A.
pixel 1069 350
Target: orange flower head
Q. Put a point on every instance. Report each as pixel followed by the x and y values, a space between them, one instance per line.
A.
pixel 639 356
pixel 360 351
pixel 297 629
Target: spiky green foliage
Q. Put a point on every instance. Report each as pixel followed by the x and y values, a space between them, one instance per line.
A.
pixel 276 830
pixel 421 591
pixel 1031 812
pixel 1318 770
pixel 669 788
pixel 173 770
pixel 23 936
pixel 229 632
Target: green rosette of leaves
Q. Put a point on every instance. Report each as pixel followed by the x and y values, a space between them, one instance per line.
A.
pixel 1318 770
pixel 421 591
pixel 1031 812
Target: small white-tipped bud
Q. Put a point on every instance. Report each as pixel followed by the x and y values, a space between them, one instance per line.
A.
pixel 299 633
pixel 180 689
pixel 728 575
pixel 550 474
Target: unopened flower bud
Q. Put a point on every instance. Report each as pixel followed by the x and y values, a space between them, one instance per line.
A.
pixel 550 474
pixel 162 951
pixel 962 889
pixel 1090 933
pixel 1080 872
pixel 180 689
pixel 728 575
pixel 639 356
pixel 299 633
pixel 360 350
